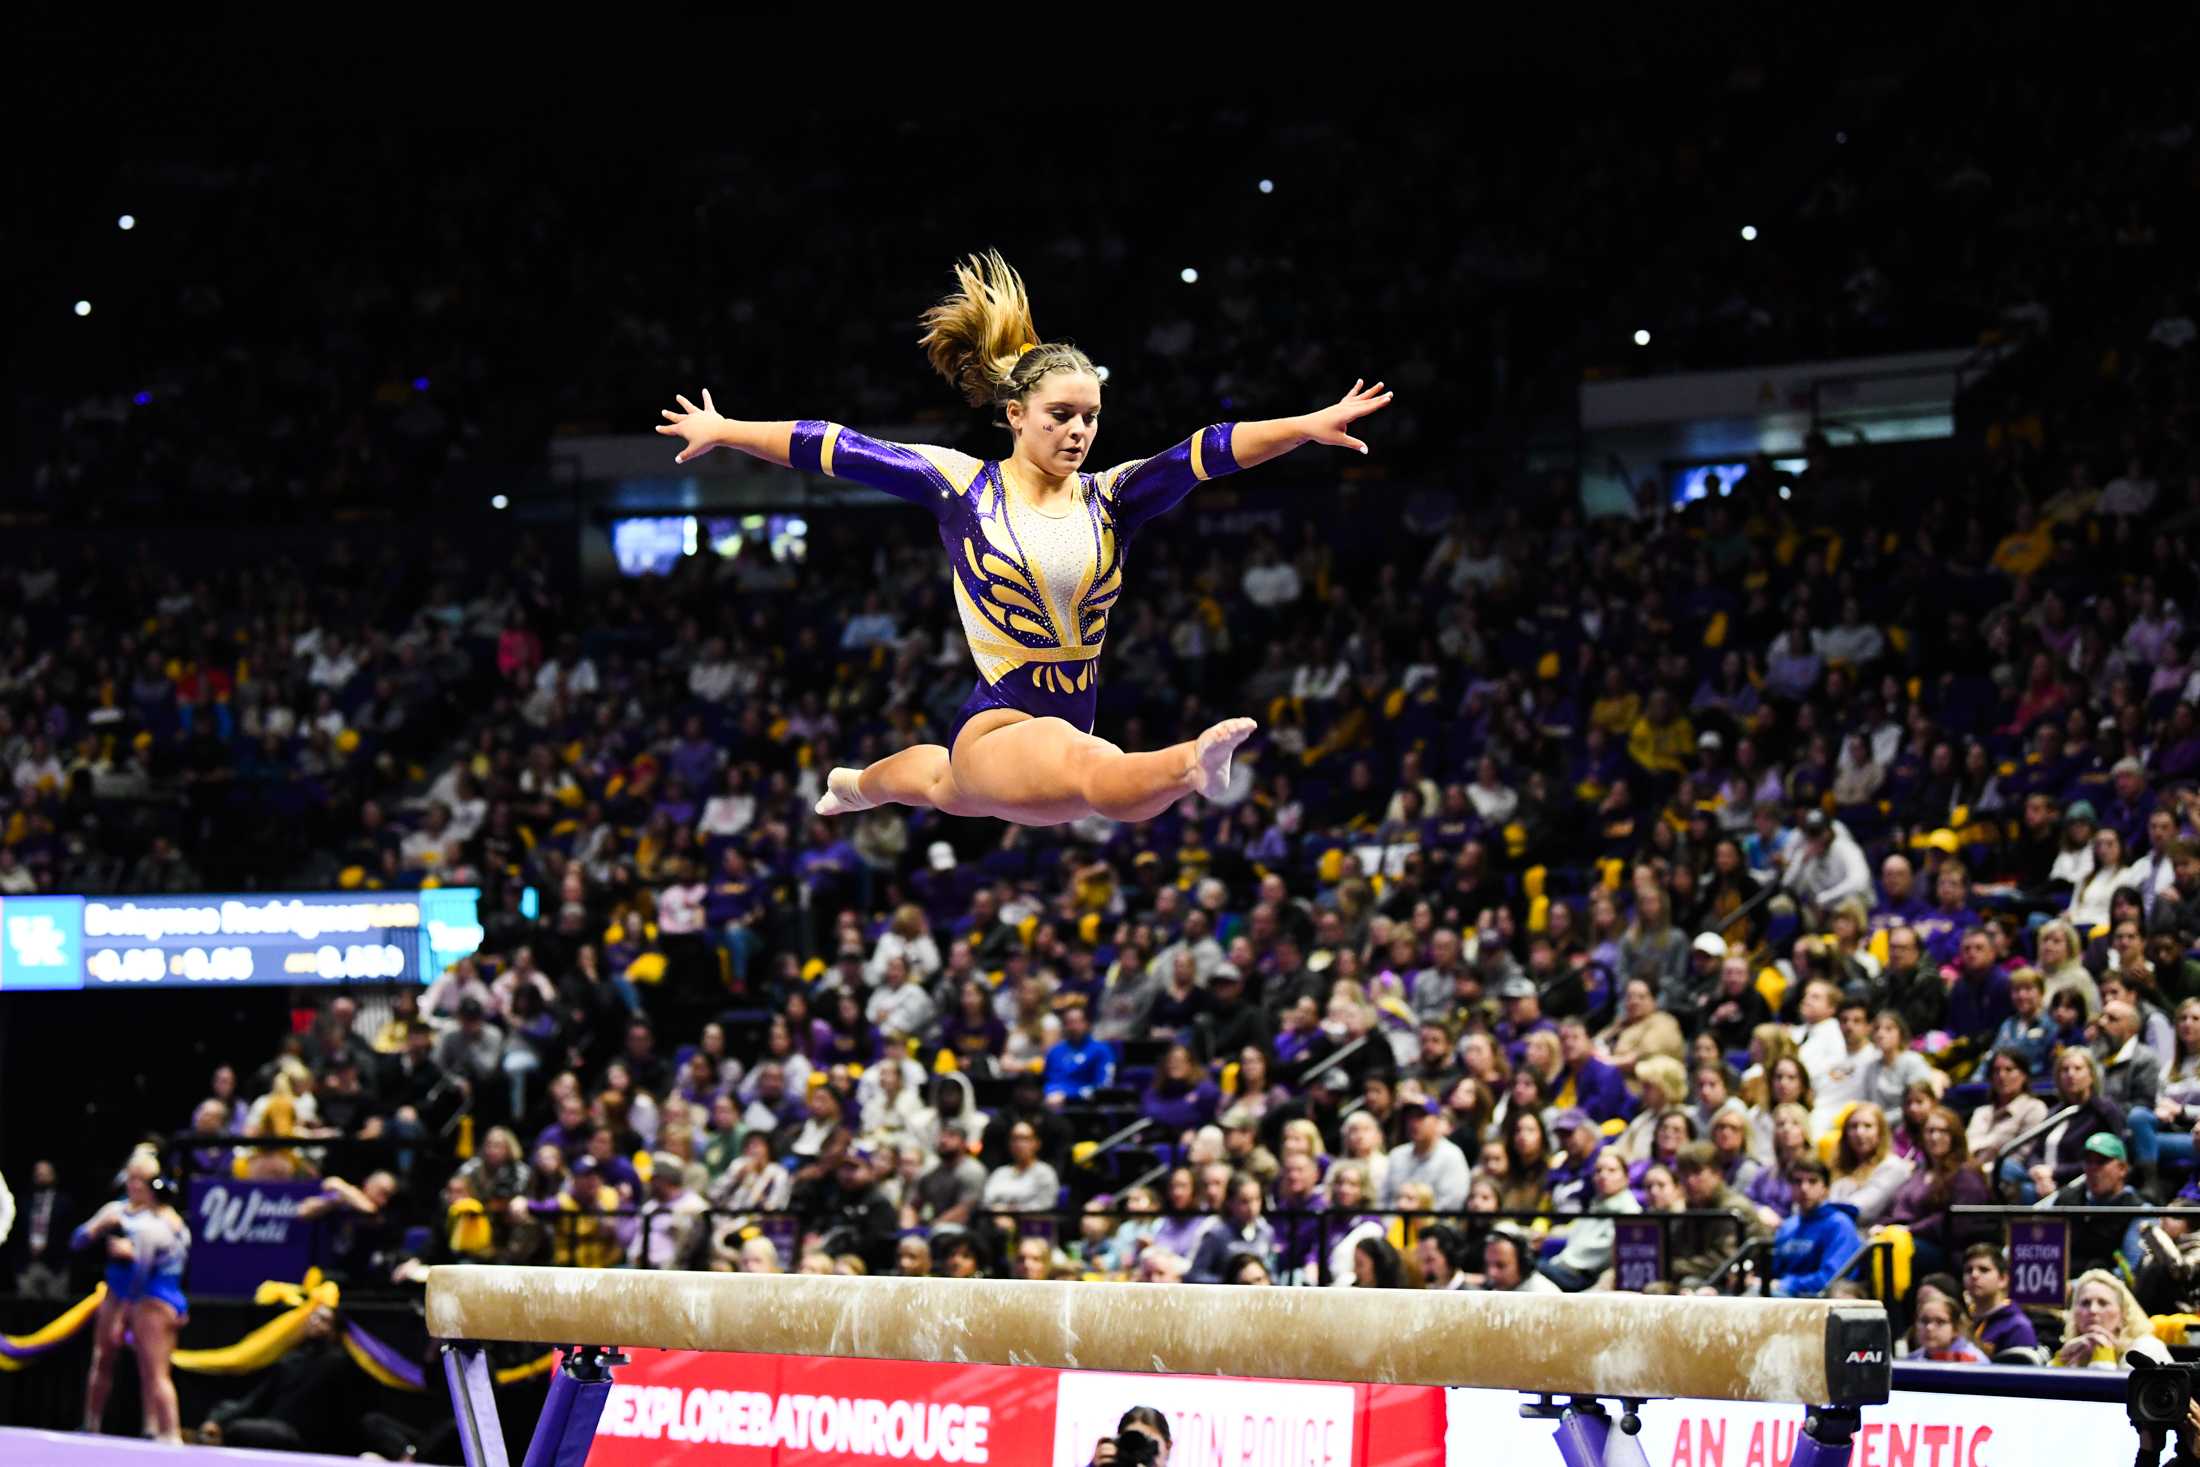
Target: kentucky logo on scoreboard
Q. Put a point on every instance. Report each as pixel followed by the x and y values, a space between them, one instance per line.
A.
pixel 41 942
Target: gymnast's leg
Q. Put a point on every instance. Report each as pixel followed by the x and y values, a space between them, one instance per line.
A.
pixel 919 775
pixel 1042 771
pixel 108 1327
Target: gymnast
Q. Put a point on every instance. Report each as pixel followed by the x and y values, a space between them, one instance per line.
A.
pixel 1035 546
pixel 147 1246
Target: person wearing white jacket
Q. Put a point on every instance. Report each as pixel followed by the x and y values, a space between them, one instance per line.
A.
pixel 1589 1242
pixel 907 938
pixel 1828 865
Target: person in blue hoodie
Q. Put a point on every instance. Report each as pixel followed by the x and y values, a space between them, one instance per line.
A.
pixel 1817 1239
pixel 1078 1064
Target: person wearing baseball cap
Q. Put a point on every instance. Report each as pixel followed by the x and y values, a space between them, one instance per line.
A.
pixel 1523 1016
pixel 1430 1157
pixel 1579 1141
pixel 1827 868
pixel 2095 1242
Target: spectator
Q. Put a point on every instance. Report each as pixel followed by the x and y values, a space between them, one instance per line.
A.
pixel 1595 1086
pixel 1816 1240
pixel 1024 1183
pixel 2101 1242
pixel 1642 1029
pixel 674 1223
pixel 2009 1110
pixel 1078 1064
pixel 1241 1229
pixel 1978 998
pixel 1866 1173
pixel 1894 1067
pixel 1698 1247
pixel 1939 1329
pixel 1506 1268
pixel 2131 1076
pixel 2105 1325
pixel 2026 1030
pixel 38 1251
pixel 1997 1323
pixel 1589 1242
pixel 1181 1098
pixel 1829 868
pixel 1944 1177
pixel 1428 1157
pixel 473 1052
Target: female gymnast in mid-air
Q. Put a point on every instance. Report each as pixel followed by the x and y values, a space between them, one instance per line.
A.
pixel 1036 550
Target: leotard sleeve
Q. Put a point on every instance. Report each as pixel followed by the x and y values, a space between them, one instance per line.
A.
pixel 1149 487
pixel 922 475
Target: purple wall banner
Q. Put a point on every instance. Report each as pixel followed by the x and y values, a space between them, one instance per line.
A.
pixel 245 1233
pixel 2039 1260
pixel 1638 1253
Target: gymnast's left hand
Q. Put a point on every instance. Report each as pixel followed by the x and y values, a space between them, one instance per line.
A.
pixel 701 427
pixel 1327 425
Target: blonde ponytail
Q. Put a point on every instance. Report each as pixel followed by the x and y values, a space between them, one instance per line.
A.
pixel 982 339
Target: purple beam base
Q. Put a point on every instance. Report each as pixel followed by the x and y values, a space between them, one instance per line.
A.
pixel 567 1426
pixel 74 1449
pixel 1829 1432
pixel 1587 1439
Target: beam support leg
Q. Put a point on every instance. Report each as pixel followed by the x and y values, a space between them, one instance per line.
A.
pixel 567 1427
pixel 474 1403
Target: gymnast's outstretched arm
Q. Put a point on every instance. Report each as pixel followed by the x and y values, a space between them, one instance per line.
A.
pixel 1256 443
pixel 1146 489
pixel 917 473
pixel 703 429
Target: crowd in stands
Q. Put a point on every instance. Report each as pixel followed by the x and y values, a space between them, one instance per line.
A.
pixel 1781 862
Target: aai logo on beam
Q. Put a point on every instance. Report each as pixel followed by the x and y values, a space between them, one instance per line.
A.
pixel 41 942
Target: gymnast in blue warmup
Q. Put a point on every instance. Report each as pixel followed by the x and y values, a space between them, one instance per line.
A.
pixel 1035 547
pixel 147 1246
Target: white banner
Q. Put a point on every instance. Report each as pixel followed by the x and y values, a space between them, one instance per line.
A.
pixel 1912 1430
pixel 1212 1423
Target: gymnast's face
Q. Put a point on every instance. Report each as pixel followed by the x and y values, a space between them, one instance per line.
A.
pixel 1057 421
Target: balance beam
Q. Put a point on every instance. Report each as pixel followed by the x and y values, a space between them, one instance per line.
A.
pixel 1801 1351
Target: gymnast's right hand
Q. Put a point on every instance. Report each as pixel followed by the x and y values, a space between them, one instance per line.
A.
pixel 701 428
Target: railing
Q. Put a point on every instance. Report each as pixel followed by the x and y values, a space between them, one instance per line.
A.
pixel 1303 1239
pixel 2023 1139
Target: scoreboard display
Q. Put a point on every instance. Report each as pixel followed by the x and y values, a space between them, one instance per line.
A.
pixel 266 938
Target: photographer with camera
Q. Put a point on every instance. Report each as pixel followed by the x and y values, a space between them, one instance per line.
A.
pixel 1141 1440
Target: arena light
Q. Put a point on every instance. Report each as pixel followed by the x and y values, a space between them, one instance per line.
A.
pixel 420 384
pixel 499 501
pixel 127 221
pixel 142 398
pixel 1101 372
pixel 1188 275
pixel 1749 231
pixel 83 308
pixel 1642 338
pixel 1267 185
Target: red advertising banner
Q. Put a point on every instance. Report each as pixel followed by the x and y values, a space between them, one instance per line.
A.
pixel 796 1411
pixel 800 1411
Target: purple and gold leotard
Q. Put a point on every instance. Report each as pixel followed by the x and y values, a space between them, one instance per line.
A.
pixel 1034 590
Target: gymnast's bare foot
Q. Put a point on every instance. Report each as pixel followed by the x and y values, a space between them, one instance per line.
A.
pixel 1210 772
pixel 841 795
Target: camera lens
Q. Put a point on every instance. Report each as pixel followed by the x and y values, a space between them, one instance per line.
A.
pixel 2159 1398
